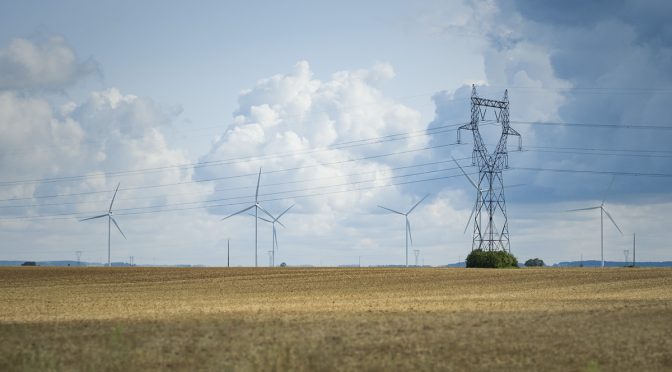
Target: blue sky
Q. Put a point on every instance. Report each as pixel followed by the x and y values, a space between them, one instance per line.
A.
pixel 201 56
pixel 93 89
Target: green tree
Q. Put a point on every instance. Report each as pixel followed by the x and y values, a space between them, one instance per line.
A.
pixel 532 262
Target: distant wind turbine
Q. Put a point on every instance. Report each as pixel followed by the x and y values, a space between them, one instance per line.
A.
pixel 603 211
pixel 477 189
pixel 256 207
pixel 110 219
pixel 275 235
pixel 408 224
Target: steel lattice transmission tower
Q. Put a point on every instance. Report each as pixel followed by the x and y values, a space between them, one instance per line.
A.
pixel 491 229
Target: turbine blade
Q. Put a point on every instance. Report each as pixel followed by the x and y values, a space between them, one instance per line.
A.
pixel 416 204
pixel 275 239
pixel 465 174
pixel 239 212
pixel 611 183
pixel 263 219
pixel 256 193
pixel 118 228
pixel 265 211
pixel 281 214
pixel 114 196
pixel 408 226
pixel 391 210
pixel 471 215
pixel 94 217
pixel 612 220
pixel 583 209
pixel 281 224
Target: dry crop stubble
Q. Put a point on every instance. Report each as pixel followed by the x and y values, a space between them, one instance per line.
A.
pixel 335 319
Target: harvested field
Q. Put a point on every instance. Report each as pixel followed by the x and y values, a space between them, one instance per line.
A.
pixel 335 319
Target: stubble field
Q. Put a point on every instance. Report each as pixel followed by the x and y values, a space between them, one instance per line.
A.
pixel 335 319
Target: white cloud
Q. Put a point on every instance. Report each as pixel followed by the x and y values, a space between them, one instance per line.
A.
pixel 46 64
pixel 110 131
pixel 294 114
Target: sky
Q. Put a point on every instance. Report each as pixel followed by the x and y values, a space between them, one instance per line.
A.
pixel 345 106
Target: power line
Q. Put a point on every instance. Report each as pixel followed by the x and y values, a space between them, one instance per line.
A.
pixel 597 153
pixel 339 185
pixel 304 180
pixel 134 211
pixel 337 146
pixel 342 145
pixel 124 211
pixel 599 149
pixel 590 90
pixel 614 173
pixel 239 176
pixel 625 152
pixel 596 125
pixel 389 170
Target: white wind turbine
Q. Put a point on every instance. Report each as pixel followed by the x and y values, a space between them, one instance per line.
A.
pixel 275 235
pixel 477 189
pixel 408 224
pixel 256 207
pixel 110 219
pixel 603 211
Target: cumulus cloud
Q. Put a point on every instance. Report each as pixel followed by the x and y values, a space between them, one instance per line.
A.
pixel 94 140
pixel 293 115
pixel 49 64
pixel 83 149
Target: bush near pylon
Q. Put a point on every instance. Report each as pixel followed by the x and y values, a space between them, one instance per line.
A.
pixel 491 259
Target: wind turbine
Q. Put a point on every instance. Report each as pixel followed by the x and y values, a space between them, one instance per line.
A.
pixel 256 207
pixel 408 224
pixel 275 235
pixel 110 219
pixel 477 189
pixel 603 211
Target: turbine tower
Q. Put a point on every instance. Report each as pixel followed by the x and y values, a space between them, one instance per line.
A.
pixel 256 207
pixel 275 235
pixel 408 224
pixel 490 206
pixel 110 220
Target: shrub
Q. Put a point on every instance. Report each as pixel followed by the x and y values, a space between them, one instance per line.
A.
pixel 532 262
pixel 491 259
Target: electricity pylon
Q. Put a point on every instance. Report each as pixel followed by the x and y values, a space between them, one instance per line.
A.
pixel 490 208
